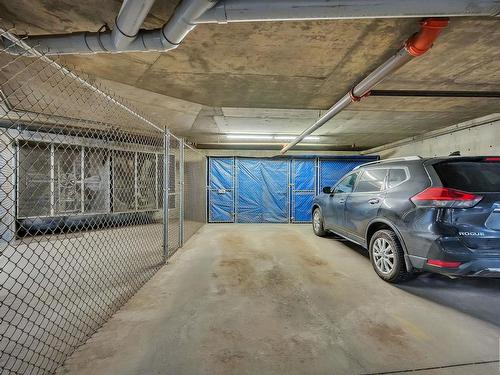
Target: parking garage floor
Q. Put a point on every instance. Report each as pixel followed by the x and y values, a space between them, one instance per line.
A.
pixel 275 299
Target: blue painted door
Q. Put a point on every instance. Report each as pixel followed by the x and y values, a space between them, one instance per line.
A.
pixel 303 189
pixel 262 191
pixel 221 190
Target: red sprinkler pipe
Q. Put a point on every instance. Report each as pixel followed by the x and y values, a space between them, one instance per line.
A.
pixel 415 46
pixel 421 42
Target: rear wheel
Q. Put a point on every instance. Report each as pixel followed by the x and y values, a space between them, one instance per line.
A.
pixel 387 257
pixel 317 221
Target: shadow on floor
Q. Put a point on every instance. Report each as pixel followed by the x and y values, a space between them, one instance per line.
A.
pixel 477 297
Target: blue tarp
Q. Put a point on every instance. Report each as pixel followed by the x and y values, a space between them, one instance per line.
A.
pixel 262 191
pixel 303 174
pixel 331 170
pixel 302 205
pixel 271 190
pixel 303 189
pixel 221 190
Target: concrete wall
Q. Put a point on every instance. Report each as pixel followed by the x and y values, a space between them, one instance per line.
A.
pixel 476 137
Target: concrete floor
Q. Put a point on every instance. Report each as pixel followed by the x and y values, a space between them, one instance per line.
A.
pixel 275 299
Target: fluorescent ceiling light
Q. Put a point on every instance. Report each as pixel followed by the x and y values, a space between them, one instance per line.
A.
pixel 292 137
pixel 269 137
pixel 248 136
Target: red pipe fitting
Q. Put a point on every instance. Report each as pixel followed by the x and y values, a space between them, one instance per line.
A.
pixel 422 41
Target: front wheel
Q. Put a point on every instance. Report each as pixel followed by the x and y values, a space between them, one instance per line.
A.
pixel 387 257
pixel 317 221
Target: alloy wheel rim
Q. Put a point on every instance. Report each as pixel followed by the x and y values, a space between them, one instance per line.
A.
pixel 383 256
pixel 316 221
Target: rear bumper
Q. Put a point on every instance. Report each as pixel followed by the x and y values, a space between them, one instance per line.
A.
pixel 483 267
pixel 473 262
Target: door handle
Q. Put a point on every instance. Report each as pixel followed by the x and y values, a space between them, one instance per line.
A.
pixel 374 201
pixel 341 200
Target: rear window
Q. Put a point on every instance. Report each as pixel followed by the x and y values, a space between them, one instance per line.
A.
pixel 470 176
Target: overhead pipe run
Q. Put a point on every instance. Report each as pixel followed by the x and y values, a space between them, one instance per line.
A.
pixel 415 46
pixel 298 10
pixel 126 37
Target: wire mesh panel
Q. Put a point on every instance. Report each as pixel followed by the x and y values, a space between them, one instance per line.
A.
pixel 81 225
pixel 195 206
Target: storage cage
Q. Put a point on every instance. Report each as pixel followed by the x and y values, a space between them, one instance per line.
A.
pixel 90 207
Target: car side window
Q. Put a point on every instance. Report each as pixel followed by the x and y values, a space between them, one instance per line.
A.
pixel 396 176
pixel 347 184
pixel 372 180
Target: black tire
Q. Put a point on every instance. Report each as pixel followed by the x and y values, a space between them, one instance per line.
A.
pixel 395 272
pixel 319 230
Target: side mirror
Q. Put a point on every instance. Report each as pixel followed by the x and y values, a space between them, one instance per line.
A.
pixel 327 190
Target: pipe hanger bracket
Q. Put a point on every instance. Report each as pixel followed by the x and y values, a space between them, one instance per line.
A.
pixel 356 98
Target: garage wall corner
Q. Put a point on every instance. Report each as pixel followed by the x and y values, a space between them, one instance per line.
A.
pixel 480 136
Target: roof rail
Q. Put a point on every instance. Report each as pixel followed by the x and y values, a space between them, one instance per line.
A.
pixel 403 158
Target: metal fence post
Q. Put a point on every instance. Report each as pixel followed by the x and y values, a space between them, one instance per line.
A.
pixel 52 181
pixel 166 159
pixel 181 198
pixel 136 183
pixel 157 192
pixel 82 179
pixel 207 190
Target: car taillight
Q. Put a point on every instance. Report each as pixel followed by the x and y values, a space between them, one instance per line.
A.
pixel 442 263
pixel 445 197
pixel 492 159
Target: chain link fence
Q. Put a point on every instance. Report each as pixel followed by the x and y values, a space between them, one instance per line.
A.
pixel 82 192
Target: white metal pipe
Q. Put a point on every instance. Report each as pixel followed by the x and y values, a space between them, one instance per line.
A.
pixel 283 10
pixel 129 20
pixel 415 46
pixel 362 88
pixel 182 21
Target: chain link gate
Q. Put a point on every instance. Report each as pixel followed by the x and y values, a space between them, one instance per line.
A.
pixel 82 205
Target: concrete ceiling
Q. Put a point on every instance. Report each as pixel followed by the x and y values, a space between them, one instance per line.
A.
pixel 279 77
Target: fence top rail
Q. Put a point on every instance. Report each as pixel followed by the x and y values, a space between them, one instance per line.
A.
pixel 194 149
